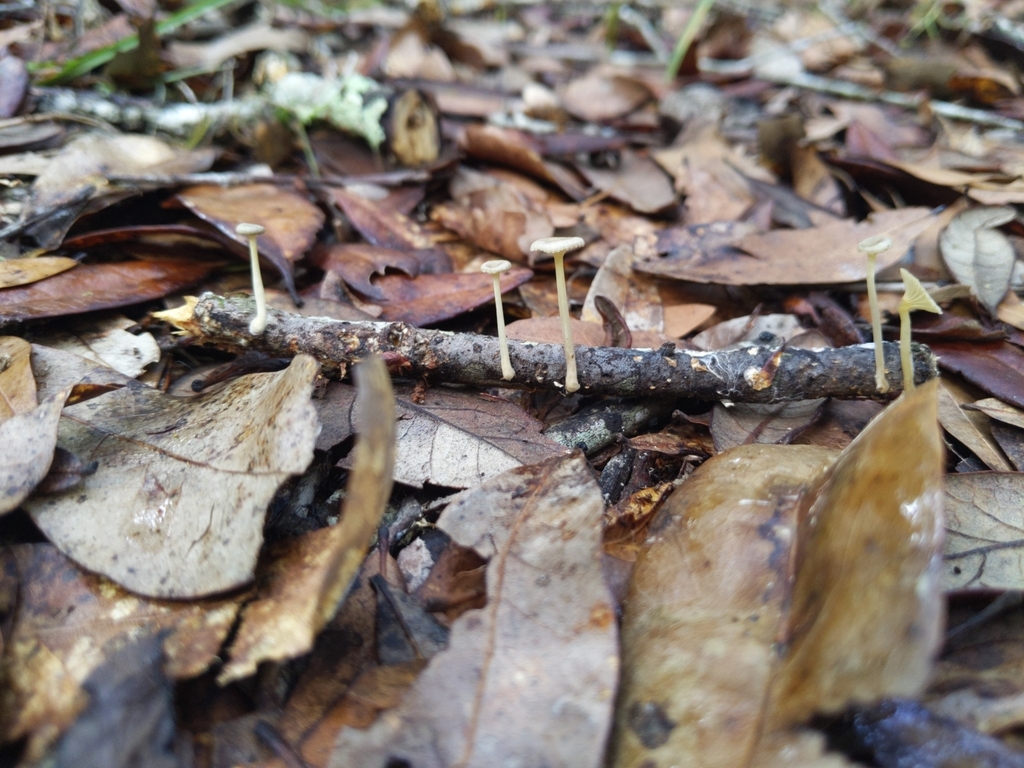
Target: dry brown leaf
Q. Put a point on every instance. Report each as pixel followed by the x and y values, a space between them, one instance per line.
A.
pixel 260 36
pixel 379 225
pixel 290 220
pixel 637 181
pixel 17 384
pixel 601 96
pixel 822 254
pixel 978 254
pixel 27 441
pixel 778 423
pixel 971 429
pixel 545 643
pixel 66 623
pixel 427 299
pixel 985 531
pixel 176 506
pixel 100 286
pixel 634 295
pixel 24 271
pixel 78 173
pixel 452 438
pixel 711 174
pixel 999 410
pixel 870 548
pixel 309 575
pixel 497 217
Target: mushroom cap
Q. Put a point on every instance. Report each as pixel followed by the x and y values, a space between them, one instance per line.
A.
pixel 249 230
pixel 496 267
pixel 874 245
pixel 557 244
pixel 916 297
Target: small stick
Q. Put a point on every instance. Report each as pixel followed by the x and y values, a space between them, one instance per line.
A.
pixel 752 374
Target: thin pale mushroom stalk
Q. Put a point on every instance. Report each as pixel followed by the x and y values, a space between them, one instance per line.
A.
pixel 557 247
pixel 494 269
pixel 252 232
pixel 915 297
pixel 871 247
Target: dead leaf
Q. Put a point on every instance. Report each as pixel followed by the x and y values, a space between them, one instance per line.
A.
pixel 998 368
pixel 711 173
pixel 290 220
pixel 497 217
pixel 100 286
pixel 107 342
pixel 428 299
pixel 637 181
pixel 997 409
pixel 544 643
pixel 67 622
pixel 706 603
pixel 822 254
pixel 176 506
pixel 778 423
pixel 985 531
pixel 27 441
pixel 379 225
pixel 978 254
pixel 869 547
pixel 77 174
pixel 308 576
pixel 599 96
pixel 455 439
pixel 17 384
pixel 971 429
pixel 357 263
pixel 24 271
pixel 254 37
pixel 635 296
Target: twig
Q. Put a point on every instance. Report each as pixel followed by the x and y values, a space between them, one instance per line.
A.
pixel 753 374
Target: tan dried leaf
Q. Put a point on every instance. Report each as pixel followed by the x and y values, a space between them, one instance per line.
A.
pixel 970 428
pixel 301 588
pixel 531 677
pixel 985 531
pixel 24 271
pixel 176 506
pixel 27 441
pixel 978 254
pixel 17 384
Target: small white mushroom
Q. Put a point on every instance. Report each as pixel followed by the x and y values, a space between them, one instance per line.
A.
pixel 915 297
pixel 253 231
pixel 557 247
pixel 495 268
pixel 872 246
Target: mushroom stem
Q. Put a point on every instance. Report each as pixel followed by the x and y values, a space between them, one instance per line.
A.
pixel 872 246
pixel 915 297
pixel 494 269
pixel 571 382
pixel 252 232
pixel 557 247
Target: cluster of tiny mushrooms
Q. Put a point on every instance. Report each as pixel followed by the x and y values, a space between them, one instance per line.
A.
pixel 915 297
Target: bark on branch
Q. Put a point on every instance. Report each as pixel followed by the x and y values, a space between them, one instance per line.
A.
pixel 750 374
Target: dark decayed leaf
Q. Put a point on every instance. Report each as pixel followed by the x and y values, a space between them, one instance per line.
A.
pixel 998 368
pixel 129 720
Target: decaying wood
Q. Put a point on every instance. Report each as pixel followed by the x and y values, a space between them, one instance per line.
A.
pixel 752 374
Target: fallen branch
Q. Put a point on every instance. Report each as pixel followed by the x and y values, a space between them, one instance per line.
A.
pixel 750 374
